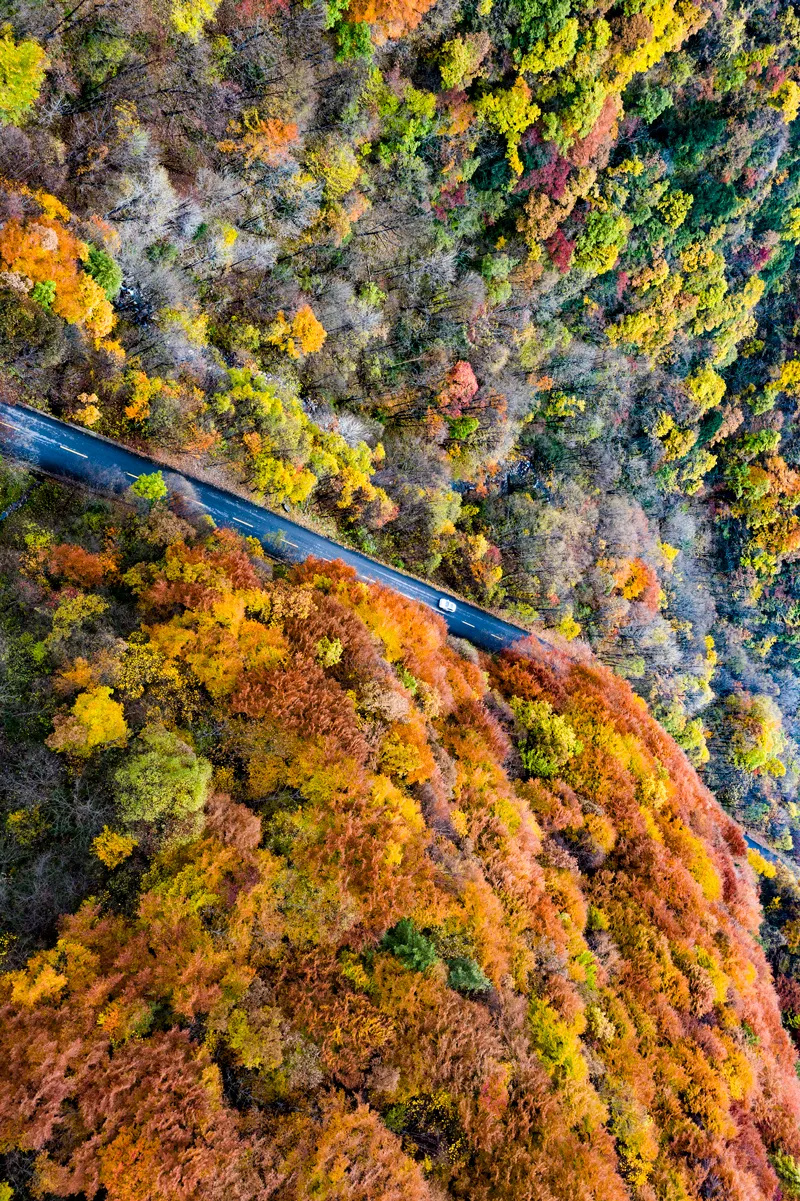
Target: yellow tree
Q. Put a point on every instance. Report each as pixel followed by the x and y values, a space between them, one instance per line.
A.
pixel 95 720
pixel 22 68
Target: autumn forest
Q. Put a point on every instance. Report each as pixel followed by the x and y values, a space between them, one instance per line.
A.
pixel 302 897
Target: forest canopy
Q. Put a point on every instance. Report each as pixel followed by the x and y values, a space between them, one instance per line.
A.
pixel 305 898
pixel 501 292
pixel 300 898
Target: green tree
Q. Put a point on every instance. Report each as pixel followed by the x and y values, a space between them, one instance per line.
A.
pixel 353 40
pixel 754 732
pixel 650 102
pixel 466 976
pixel 549 741
pixel 22 68
pixel 105 271
pixel 462 427
pixel 788 1170
pixel 603 237
pixel 533 18
pixel 44 293
pixel 150 487
pixel 164 782
pixel 409 945
pixel 329 651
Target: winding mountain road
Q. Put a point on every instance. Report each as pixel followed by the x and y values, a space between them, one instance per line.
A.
pixel 61 449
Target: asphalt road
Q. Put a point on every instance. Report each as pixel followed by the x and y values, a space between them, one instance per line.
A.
pixel 63 449
pixel 776 857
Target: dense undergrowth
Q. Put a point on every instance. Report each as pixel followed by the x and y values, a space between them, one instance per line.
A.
pixel 353 911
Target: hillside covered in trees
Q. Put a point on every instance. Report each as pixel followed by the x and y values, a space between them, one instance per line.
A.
pixel 500 290
pixel 299 899
pixel 351 911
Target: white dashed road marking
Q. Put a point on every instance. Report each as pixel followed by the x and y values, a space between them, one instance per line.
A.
pixel 378 575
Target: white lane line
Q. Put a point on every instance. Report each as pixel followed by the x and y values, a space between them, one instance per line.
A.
pixel 409 590
pixel 31 433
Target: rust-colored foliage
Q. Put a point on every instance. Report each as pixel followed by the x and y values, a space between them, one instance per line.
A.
pixel 265 140
pixel 79 566
pixel 391 18
pixel 579 1008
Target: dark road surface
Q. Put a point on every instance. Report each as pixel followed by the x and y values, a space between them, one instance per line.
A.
pixel 63 449
pixel 776 857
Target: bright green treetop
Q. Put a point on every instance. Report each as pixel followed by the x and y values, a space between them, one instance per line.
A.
pixel 150 487
pixel 165 782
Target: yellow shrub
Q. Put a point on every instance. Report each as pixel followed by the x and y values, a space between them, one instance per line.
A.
pixel 190 16
pixel 112 848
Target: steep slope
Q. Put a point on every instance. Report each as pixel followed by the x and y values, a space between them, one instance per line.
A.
pixel 504 289
pixel 372 916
